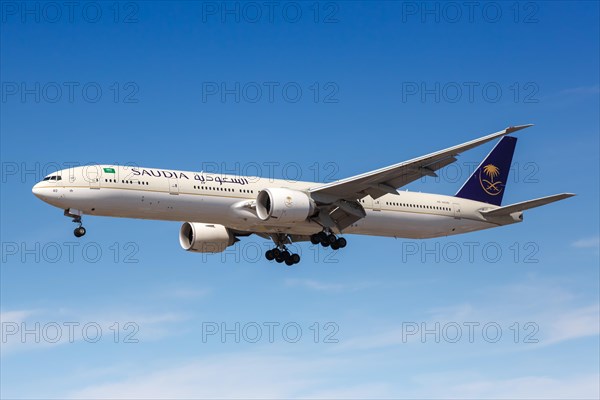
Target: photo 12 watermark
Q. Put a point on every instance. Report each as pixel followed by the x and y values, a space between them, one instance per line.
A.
pixel 53 332
pixel 269 332
pixel 270 92
pixel 469 332
pixel 69 92
pixel 468 252
pixel 526 172
pixel 469 92
pixel 70 12
pixel 248 251
pixel 270 12
pixel 470 12
pixel 31 172
pixel 290 171
pixel 80 253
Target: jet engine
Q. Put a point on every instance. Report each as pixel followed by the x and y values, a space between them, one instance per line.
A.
pixel 205 238
pixel 284 205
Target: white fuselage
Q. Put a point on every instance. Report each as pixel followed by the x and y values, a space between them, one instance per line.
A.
pixel 149 193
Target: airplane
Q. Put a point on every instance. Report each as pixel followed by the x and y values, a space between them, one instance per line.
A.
pixel 216 210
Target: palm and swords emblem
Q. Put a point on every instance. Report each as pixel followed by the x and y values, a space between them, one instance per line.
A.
pixel 490 185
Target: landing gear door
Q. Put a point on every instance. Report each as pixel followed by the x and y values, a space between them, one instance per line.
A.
pixel 456 209
pixel 173 186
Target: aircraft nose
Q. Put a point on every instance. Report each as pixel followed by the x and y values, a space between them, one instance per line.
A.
pixel 36 190
pixel 39 192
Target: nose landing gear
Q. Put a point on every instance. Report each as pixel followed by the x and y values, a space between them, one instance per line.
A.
pixel 79 231
pixel 76 215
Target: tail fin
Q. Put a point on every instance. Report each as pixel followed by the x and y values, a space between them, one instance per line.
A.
pixel 488 182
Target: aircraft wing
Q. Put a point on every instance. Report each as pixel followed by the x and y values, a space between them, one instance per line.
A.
pixel 386 180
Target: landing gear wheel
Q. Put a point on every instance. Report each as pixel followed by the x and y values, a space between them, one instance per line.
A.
pixel 321 236
pixel 314 239
pixel 335 245
pixel 79 231
pixel 279 259
pixel 285 255
pixel 341 243
pixel 269 255
pixel 331 239
pixel 292 259
pixel 276 253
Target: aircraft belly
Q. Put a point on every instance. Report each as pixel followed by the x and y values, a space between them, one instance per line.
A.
pixel 413 225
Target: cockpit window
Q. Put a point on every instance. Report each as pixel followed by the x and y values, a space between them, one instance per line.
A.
pixel 53 178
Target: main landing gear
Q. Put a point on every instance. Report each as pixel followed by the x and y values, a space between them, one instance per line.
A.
pixel 76 215
pixel 280 253
pixel 327 239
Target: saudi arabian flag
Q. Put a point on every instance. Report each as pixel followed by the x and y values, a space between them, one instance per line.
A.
pixel 109 170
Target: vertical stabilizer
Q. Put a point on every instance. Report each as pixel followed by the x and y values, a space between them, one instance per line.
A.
pixel 488 182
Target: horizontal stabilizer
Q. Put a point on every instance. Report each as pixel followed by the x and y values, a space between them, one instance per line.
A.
pixel 525 205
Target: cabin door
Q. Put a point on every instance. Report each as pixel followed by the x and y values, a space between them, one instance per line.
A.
pixel 173 186
pixel 376 205
pixel 456 209
pixel 92 175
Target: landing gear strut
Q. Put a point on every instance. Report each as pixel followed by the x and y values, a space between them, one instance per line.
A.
pixel 327 239
pixel 280 253
pixel 76 215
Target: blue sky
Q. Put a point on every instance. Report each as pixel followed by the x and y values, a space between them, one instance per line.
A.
pixel 312 91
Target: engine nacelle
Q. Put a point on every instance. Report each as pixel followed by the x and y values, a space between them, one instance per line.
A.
pixel 205 238
pixel 284 205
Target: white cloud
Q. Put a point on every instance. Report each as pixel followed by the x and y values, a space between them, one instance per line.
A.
pixel 254 375
pixel 528 387
pixel 16 316
pixel 592 89
pixel 326 286
pixel 187 293
pixel 226 376
pixel 551 311
pixel 26 330
pixel 587 243
pixel 572 324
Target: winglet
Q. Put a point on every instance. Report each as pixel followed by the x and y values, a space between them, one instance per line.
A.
pixel 512 129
